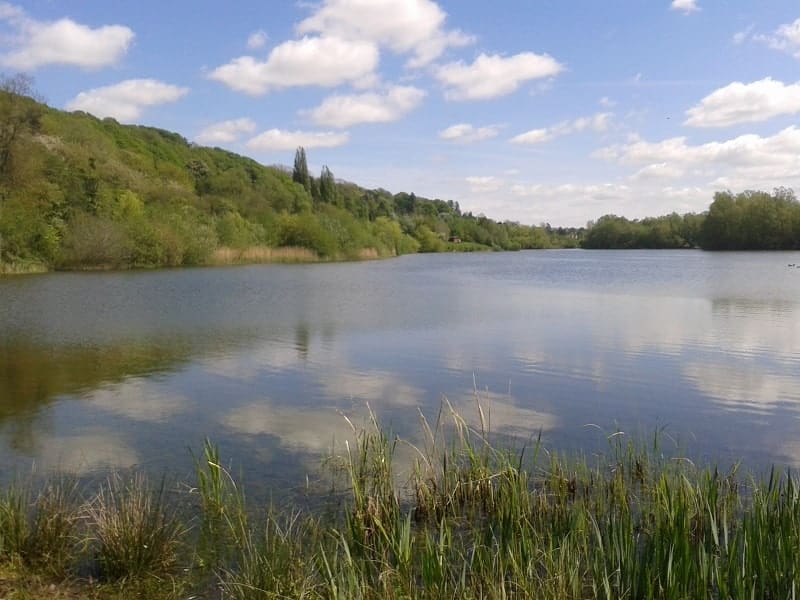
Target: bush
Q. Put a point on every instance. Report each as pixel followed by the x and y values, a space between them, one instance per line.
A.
pixel 304 230
pixel 96 242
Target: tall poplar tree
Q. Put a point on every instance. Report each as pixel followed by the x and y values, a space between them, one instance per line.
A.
pixel 327 186
pixel 300 171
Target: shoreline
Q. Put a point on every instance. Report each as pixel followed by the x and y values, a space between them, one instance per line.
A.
pixel 226 256
pixel 473 519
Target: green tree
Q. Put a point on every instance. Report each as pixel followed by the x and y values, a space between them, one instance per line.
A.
pixel 327 187
pixel 300 171
pixel 18 112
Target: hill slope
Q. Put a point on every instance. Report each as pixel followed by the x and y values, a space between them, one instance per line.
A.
pixel 80 192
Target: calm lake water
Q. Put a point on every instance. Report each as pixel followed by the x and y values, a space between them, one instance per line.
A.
pixel 117 370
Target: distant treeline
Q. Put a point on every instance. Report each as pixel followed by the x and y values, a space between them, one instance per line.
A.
pixel 750 220
pixel 81 192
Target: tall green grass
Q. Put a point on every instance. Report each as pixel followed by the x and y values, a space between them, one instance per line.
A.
pixel 476 518
pixel 135 534
pixel 40 529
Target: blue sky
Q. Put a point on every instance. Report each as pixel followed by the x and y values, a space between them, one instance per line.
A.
pixel 529 110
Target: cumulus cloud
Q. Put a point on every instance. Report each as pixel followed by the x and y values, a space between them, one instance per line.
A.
pixel 34 44
pixel 573 203
pixel 342 111
pixel 275 140
pixel 465 133
pixel 479 185
pixel 125 101
pixel 658 171
pixel 747 160
pixel 745 103
pixel 257 39
pixel 413 27
pixel 594 191
pixel 786 38
pixel 492 75
pixel 741 36
pixel 322 61
pixel 597 123
pixel 687 7
pixel 226 132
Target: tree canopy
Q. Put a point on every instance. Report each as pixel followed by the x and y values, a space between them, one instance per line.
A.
pixel 82 192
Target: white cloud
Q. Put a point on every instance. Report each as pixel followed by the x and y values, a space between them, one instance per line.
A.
pixel 226 132
pixel 597 123
pixel 658 171
pixel 280 140
pixel 404 26
pixel 745 161
pixel 741 36
pixel 321 61
pixel 465 133
pixel 595 191
pixel 607 102
pixel 125 101
pixel 573 203
pixel 257 39
pixel 534 136
pixel 342 111
pixel 63 42
pixel 687 7
pixel 745 103
pixel 479 185
pixel 786 38
pixel 492 76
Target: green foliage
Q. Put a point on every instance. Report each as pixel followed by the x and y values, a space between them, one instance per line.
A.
pixel 40 532
pixel 79 192
pixel 670 231
pixel 752 221
pixel 235 231
pixel 390 238
pixel 474 518
pixel 327 187
pixel 300 172
pixel 306 231
pixel 428 240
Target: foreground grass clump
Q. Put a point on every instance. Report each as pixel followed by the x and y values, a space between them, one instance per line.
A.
pixel 135 532
pixel 474 519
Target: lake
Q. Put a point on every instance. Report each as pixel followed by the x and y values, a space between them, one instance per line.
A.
pixel 104 371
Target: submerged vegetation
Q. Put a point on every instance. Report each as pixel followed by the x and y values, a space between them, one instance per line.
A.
pixel 473 518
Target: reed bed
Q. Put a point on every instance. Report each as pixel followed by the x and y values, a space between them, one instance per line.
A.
pixel 476 518
pixel 262 254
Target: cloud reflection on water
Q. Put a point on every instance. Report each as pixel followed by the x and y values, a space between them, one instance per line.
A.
pixel 296 428
pixel 84 453
pixel 501 414
pixel 140 400
pixel 743 386
pixel 368 386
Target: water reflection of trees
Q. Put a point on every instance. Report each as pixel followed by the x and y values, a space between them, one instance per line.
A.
pixel 33 375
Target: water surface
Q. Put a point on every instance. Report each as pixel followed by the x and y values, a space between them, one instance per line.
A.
pixel 105 371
